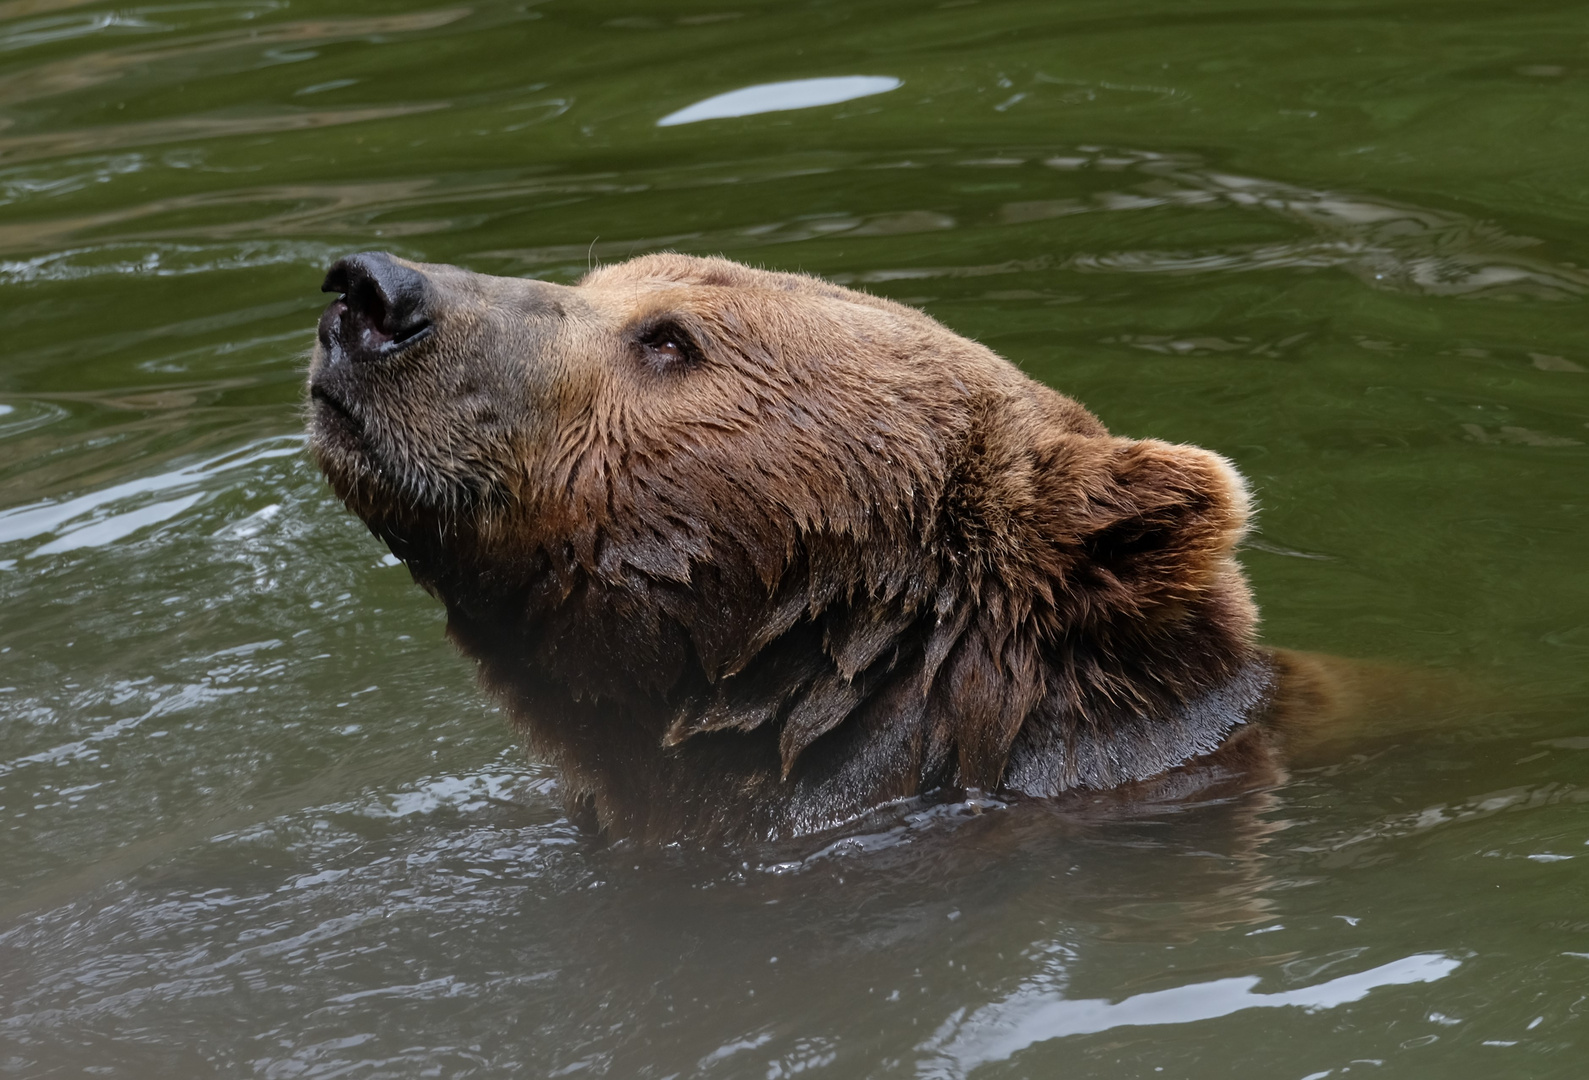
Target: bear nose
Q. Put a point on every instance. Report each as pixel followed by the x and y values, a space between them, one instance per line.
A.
pixel 383 306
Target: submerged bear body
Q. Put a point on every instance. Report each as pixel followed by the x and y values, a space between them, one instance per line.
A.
pixel 747 554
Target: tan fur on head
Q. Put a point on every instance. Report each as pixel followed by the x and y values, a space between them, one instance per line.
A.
pixel 748 553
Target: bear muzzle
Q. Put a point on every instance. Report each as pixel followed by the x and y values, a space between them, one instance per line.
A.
pixel 382 309
pixel 424 381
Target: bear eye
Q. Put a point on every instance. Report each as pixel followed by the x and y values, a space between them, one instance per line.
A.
pixel 667 347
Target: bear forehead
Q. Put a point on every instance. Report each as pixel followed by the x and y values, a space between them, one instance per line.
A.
pixel 651 281
pixel 671 268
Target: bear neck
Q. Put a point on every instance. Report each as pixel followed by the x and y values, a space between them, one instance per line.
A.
pixel 943 685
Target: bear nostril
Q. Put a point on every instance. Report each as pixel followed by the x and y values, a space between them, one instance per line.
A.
pixel 384 304
pixel 365 302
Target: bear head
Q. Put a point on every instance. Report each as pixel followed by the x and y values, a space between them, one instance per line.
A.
pixel 748 553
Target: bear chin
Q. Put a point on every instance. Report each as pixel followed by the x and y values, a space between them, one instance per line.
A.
pixel 747 555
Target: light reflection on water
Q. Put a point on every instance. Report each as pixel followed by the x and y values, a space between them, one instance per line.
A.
pixel 257 818
pixel 781 97
pixel 1040 1011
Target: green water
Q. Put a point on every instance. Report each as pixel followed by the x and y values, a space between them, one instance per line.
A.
pixel 254 817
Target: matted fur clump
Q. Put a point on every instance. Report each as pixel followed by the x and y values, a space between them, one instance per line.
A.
pixel 748 554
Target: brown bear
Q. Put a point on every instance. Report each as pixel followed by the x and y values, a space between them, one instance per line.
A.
pixel 748 554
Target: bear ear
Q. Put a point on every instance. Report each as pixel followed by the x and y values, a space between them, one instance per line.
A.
pixel 1138 526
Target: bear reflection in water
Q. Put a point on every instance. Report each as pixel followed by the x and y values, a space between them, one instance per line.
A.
pixel 747 554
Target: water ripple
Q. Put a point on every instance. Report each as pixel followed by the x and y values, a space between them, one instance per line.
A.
pixel 111 514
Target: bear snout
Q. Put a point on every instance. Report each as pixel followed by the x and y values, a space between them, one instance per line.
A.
pixel 383 306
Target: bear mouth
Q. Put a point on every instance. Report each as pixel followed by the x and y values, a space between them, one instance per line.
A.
pixel 331 410
pixel 376 484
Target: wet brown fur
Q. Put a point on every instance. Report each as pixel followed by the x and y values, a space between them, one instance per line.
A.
pixel 834 556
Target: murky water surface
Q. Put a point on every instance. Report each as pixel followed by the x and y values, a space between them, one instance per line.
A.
pixel 256 819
